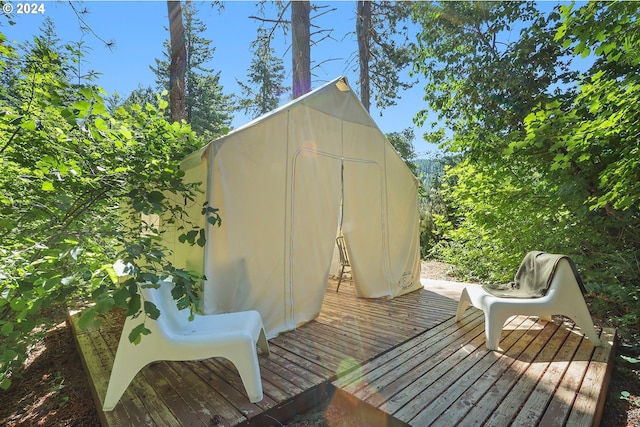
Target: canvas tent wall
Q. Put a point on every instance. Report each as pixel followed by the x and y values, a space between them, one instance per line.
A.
pixel 279 182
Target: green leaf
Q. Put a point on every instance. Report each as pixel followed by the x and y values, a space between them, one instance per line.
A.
pixel 133 307
pixel 149 277
pixel 629 359
pixel 6 329
pixel 201 239
pixel 151 310
pixel 47 186
pixel 120 297
pixel 5 383
pixel 18 304
pixel 155 197
pixel 105 304
pixel 87 92
pixel 87 318
pixel 28 125
pixel 82 107
pixel 101 124
pixel 136 333
pixel 8 355
pixel 214 220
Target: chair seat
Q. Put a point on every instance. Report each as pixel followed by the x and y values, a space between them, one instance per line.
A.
pixel 564 297
pixel 233 336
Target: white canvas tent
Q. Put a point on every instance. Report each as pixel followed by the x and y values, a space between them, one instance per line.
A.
pixel 284 183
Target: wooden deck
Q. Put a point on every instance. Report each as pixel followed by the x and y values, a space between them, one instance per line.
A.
pixel 394 362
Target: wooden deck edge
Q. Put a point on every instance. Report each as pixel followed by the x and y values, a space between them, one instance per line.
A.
pixel 367 414
pixel 610 367
pixel 71 322
pixel 298 404
pixel 320 396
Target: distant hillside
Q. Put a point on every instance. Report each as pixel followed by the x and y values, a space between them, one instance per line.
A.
pixel 429 171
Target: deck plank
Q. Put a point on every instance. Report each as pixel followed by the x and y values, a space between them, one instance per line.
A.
pixel 533 363
pixel 455 374
pixel 587 401
pixel 406 357
pixel 392 363
pixel 461 402
pixel 392 392
pixel 529 414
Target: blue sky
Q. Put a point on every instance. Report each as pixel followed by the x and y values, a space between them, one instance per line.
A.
pixel 138 29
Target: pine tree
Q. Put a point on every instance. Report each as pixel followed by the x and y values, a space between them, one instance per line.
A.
pixel 382 50
pixel 178 61
pixel 266 75
pixel 301 47
pixel 208 110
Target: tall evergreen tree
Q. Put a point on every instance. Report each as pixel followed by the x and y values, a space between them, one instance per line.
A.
pixel 301 47
pixel 363 34
pixel 207 109
pixel 302 38
pixel 266 73
pixel 383 50
pixel 178 62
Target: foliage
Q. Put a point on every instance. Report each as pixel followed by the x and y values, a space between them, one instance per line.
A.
pixel 483 82
pixel 389 51
pixel 75 182
pixel 208 110
pixel 139 96
pixel 484 76
pixel 430 172
pixel 267 73
pixel 403 144
pixel 550 157
pixel 593 142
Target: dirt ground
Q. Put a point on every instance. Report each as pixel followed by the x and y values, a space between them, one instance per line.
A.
pixel 54 391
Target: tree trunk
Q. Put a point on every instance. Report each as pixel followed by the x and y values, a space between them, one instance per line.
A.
pixel 363 32
pixel 301 47
pixel 178 66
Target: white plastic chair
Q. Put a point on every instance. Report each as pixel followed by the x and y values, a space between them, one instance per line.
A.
pixel 564 297
pixel 233 336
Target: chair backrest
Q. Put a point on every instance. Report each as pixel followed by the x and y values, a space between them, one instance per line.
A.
pixel 342 251
pixel 170 315
pixel 564 280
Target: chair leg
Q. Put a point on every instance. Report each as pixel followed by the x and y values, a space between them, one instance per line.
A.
pixel 463 304
pixel 262 343
pixel 124 370
pixel 340 280
pixel 581 316
pixel 246 362
pixel 493 325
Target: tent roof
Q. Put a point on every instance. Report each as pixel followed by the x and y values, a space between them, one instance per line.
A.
pixel 319 99
pixel 334 98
